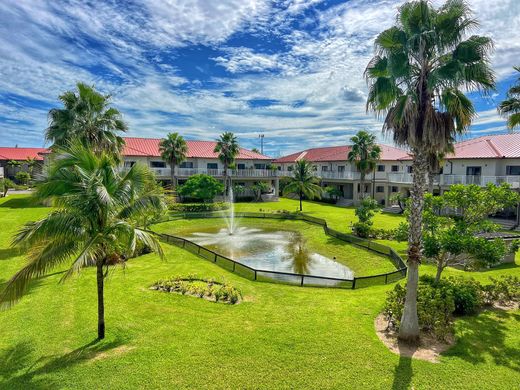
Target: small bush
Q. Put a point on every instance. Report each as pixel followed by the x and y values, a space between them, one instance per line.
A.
pixel 504 290
pixel 22 177
pixel 361 229
pixel 198 207
pixel 201 288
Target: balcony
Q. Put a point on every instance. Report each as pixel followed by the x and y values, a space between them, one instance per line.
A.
pixel 404 178
pixel 239 173
pixel 334 175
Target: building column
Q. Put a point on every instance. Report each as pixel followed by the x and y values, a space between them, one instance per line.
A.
pixel 276 187
pixel 355 195
pixel 387 195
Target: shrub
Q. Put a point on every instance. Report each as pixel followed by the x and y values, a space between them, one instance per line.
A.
pixel 504 290
pixel 22 177
pixel 198 207
pixel 201 187
pixel 361 229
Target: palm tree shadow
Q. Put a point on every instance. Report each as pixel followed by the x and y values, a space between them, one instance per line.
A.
pixel 17 370
pixel 403 372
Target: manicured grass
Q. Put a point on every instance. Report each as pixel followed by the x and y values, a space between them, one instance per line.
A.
pixel 362 261
pixel 279 337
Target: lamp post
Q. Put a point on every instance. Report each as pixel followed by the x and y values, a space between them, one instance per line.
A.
pixel 261 136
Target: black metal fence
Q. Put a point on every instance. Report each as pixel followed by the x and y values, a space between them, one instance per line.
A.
pixel 287 277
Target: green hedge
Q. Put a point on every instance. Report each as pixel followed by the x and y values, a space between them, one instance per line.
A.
pixel 198 207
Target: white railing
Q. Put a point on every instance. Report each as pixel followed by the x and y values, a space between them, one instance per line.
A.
pixel 348 175
pixel 400 177
pixel 231 172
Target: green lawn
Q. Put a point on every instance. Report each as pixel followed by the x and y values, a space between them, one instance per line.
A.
pixel 280 337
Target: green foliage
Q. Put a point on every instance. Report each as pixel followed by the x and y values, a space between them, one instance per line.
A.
pixel 22 177
pixel 227 148
pixel 198 207
pixel 260 188
pixel 364 153
pixel 504 290
pixel 303 182
pixel 401 200
pixel 5 185
pixel 86 117
pixel 333 192
pixel 362 229
pixel 366 210
pixel 200 287
pixel 510 107
pixel 401 232
pixel 201 187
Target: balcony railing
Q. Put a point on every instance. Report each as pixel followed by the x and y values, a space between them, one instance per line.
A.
pixel 231 172
pixel 347 175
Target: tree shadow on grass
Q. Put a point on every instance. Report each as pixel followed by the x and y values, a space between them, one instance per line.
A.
pixel 21 203
pixel 403 372
pixel 17 371
pixel 483 337
pixel 9 253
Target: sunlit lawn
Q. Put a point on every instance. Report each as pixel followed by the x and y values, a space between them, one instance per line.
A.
pixel 279 337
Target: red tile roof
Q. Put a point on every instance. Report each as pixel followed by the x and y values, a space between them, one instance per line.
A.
pixel 149 147
pixel 488 146
pixel 7 153
pixel 339 153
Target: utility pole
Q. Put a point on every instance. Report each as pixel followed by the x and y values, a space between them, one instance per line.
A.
pixel 261 136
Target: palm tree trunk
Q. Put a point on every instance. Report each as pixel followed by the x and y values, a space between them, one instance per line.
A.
pixel 172 174
pixel 301 196
pixel 362 189
pixel 409 328
pixel 431 177
pixel 225 181
pixel 101 303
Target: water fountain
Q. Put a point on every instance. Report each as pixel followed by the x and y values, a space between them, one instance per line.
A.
pixel 229 217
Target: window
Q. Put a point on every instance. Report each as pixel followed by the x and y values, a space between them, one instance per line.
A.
pixel 513 170
pixel 259 166
pixel 395 189
pixel 380 168
pixel 341 168
pixel 129 164
pixel 409 169
pixel 212 166
pixel 324 168
pixel 380 189
pixel 395 168
pixel 187 164
pixel 157 164
pixel 241 166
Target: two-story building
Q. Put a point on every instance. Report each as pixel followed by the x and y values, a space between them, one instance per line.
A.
pixel 250 167
pixel 487 159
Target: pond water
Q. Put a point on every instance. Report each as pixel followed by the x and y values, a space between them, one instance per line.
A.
pixel 270 250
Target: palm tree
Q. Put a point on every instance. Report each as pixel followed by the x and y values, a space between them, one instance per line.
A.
pixel 227 149
pixel 364 154
pixel 436 162
pixel 511 106
pixel 94 223
pixel 173 149
pixel 86 115
pixel 303 182
pixel 416 79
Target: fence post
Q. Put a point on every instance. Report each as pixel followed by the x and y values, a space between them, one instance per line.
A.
pixel 354 284
pixel 183 243
pixel 302 281
pixel 198 250
pixel 386 278
pixel 255 274
pixel 234 264
pixel 215 259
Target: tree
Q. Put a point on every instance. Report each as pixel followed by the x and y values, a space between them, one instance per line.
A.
pixel 93 224
pixel 22 177
pixel 436 162
pixel 228 149
pixel 31 163
pixel 303 182
pixel 173 149
pixel 401 200
pixel 260 188
pixel 365 154
pixel 201 187
pixel 255 150
pixel 510 107
pixel 365 212
pixel 417 79
pixel 333 192
pixel 5 185
pixel 86 116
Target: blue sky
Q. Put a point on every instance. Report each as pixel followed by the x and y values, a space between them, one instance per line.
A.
pixel 289 69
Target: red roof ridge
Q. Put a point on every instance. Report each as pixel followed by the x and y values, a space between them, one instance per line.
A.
pixel 495 149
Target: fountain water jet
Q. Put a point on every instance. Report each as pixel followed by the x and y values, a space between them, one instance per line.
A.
pixel 229 217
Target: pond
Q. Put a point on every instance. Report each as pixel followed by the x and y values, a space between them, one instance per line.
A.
pixel 270 250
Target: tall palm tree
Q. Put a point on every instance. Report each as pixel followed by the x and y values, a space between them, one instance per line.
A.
pixel 416 80
pixel 436 162
pixel 303 182
pixel 511 106
pixel 365 154
pixel 173 149
pixel 228 149
pixel 94 223
pixel 86 115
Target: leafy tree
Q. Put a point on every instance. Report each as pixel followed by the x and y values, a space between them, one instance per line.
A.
pixel 31 163
pixel 474 203
pixel 228 149
pixel 5 185
pixel 92 225
pixel 201 187
pixel 238 189
pixel 417 79
pixel 401 200
pixel 22 177
pixel 510 107
pixel 173 149
pixel 86 116
pixel 303 182
pixel 333 192
pixel 255 150
pixel 260 188
pixel 365 154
